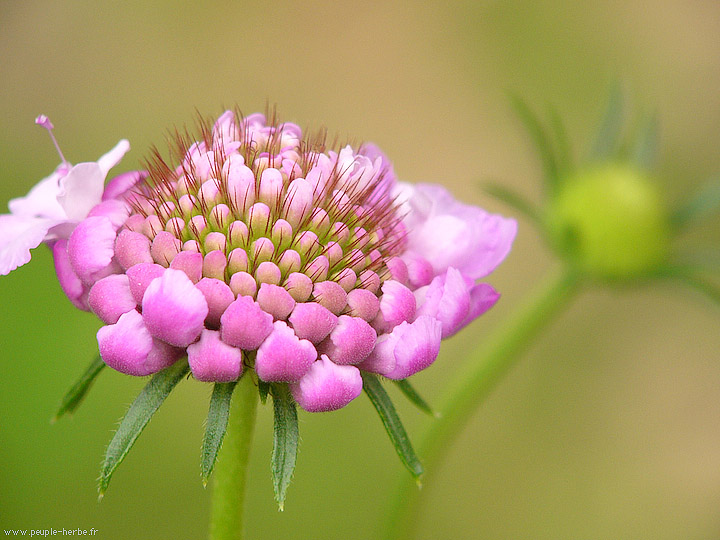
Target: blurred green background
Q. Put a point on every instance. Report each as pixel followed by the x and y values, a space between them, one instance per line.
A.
pixel 610 426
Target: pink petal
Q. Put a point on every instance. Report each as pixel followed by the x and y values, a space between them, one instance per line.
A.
pixel 331 295
pixel 214 264
pixel 244 324
pixel 362 303
pixel 447 299
pixel 140 276
pixel 225 128
pixel 116 211
pixel 299 286
pixel 420 271
pixel 173 309
pixel 71 285
pixel 482 298
pixel 82 189
pixel 398 270
pixel 110 298
pixel 271 184
pixel 298 201
pixel 243 284
pixel 113 157
pixel 409 348
pixel 121 184
pixel 397 304
pixel 212 360
pixel 283 357
pixel 386 174
pixel 132 248
pixel 91 247
pixel 41 200
pixel 189 262
pixel 449 233
pixel 128 347
pixel 18 235
pixel 164 248
pixel 327 386
pixel 218 297
pixel 312 321
pixel 350 342
pixel 275 300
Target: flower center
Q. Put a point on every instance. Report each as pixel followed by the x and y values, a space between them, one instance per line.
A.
pixel 262 204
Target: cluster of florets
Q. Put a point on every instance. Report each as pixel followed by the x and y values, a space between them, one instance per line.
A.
pixel 258 248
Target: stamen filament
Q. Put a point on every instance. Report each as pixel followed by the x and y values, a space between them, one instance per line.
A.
pixel 45 122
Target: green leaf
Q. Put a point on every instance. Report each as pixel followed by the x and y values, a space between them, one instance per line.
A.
pixel 541 139
pixel 137 417
pixel 263 389
pixel 513 200
pixel 700 206
pixel 77 393
pixel 415 398
pixel 564 154
pixel 216 426
pixel 645 147
pixel 285 441
pixel 390 419
pixel 607 140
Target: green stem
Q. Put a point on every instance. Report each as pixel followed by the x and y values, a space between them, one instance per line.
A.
pixel 474 382
pixel 226 522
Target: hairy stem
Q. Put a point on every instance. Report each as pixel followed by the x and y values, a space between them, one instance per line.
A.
pixel 228 498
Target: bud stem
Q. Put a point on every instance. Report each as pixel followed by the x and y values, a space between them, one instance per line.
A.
pixel 473 383
pixel 228 498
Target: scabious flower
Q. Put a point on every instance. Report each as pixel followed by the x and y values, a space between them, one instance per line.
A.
pixel 261 253
pixel 258 248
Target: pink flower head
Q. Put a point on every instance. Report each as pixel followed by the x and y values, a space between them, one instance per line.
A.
pixel 258 248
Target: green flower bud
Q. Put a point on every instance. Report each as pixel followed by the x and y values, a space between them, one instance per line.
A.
pixel 610 222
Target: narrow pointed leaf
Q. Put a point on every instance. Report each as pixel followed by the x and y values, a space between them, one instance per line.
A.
pixel 390 419
pixel 644 151
pixel 608 136
pixel 77 393
pixel 263 389
pixel 693 277
pixel 138 416
pixel 216 426
pixel 514 201
pixel 409 392
pixel 541 139
pixel 285 441
pixel 564 154
pixel 700 206
pixel 709 290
